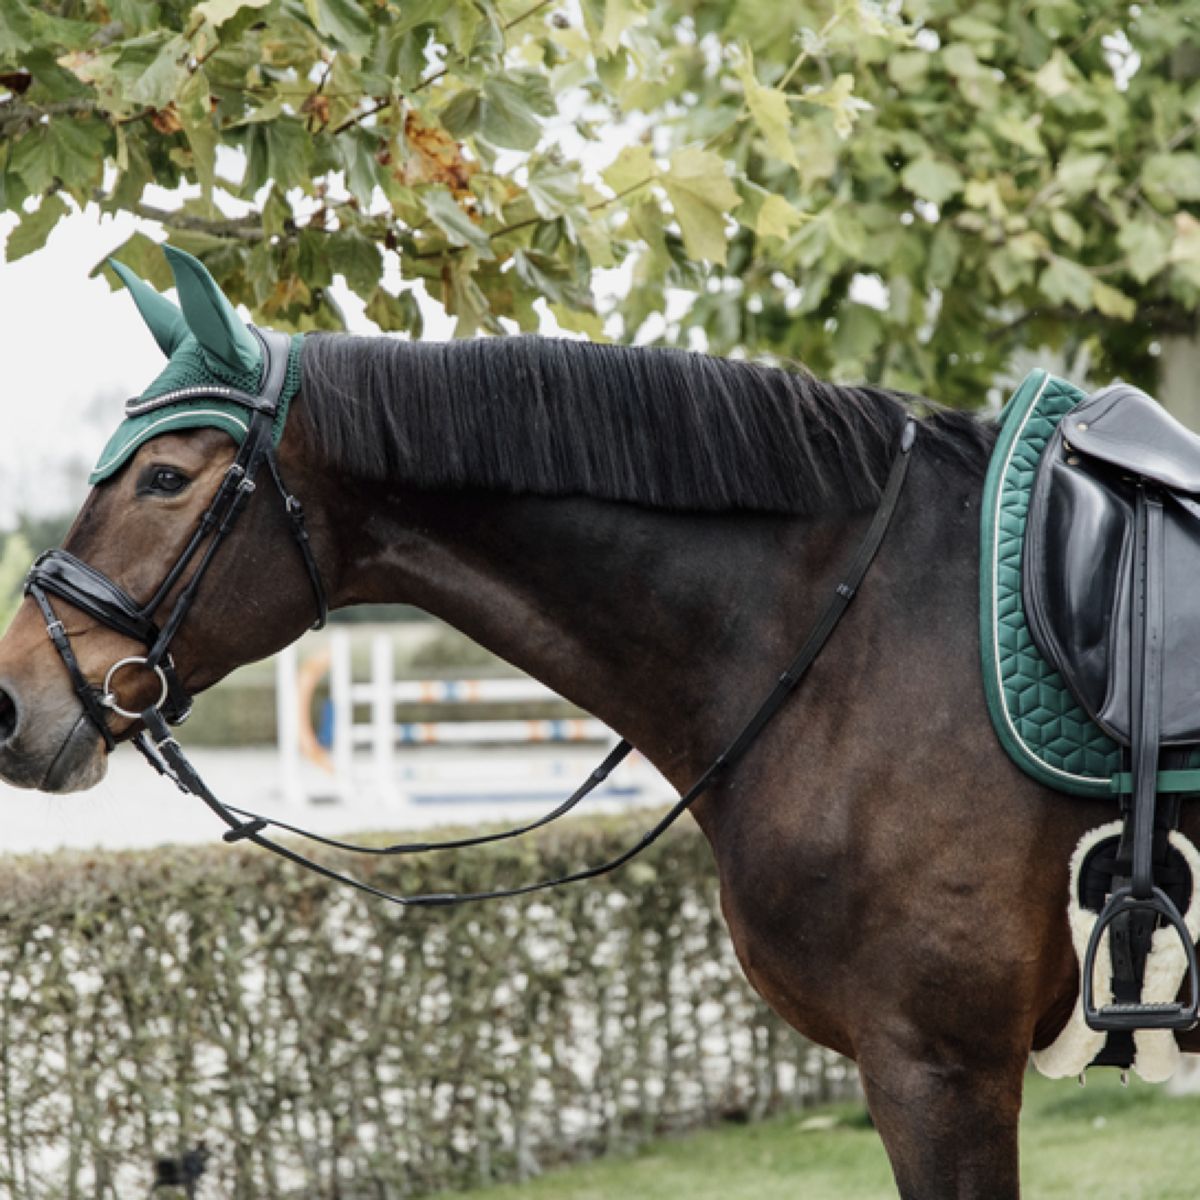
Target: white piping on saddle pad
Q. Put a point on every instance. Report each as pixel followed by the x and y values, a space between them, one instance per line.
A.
pixel 1156 1053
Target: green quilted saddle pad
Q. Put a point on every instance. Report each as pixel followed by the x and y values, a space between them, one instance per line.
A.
pixel 1035 717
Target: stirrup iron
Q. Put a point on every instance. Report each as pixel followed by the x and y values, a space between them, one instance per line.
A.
pixel 1127 1016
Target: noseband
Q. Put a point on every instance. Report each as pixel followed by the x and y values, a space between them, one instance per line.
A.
pixel 58 573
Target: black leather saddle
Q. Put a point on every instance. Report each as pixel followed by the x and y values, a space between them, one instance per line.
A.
pixel 1111 587
pixel 1108 451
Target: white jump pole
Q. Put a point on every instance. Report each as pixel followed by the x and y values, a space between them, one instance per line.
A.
pixel 383 711
pixel 341 683
pixel 287 723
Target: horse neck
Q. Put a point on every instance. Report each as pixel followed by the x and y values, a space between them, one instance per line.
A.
pixel 659 623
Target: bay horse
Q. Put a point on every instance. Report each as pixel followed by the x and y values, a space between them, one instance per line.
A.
pixel 651 533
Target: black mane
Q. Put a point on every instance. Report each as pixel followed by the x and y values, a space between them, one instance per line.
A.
pixel 661 428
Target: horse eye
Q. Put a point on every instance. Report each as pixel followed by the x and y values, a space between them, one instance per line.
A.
pixel 162 481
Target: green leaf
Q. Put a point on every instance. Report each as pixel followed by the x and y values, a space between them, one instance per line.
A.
pixel 1170 177
pixel 459 229
pixel 217 12
pixel 461 20
pixel 16 28
pixel 34 228
pixel 547 236
pixel 144 257
pixel 945 252
pixel 777 217
pixel 68 150
pixel 463 299
pixel 1185 245
pixel 358 259
pixel 418 12
pixel 31 159
pixel 859 332
pixel 841 101
pixel 985 194
pixel 510 111
pixel 1021 131
pixel 1078 173
pixel 315 263
pixel 357 151
pixel 574 321
pixel 769 108
pixel 1146 244
pixel 1066 282
pixel 620 15
pixel 701 195
pixel 395 314
pixel 633 166
pixel 1067 228
pixel 909 69
pixel 1009 270
pixel 1113 303
pixel 1057 76
pixel 195 112
pixel 344 21
pixel 552 278
pixel 288 151
pixel 154 68
pixel 931 180
pixel 553 187
pixel 462 115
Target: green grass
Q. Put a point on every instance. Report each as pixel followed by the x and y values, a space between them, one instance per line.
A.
pixel 1102 1140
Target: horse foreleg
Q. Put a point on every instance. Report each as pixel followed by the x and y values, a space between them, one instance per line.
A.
pixel 950 1130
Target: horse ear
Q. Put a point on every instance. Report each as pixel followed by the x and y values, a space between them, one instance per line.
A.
pixel 165 320
pixel 210 316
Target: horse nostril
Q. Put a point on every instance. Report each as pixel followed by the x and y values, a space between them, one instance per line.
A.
pixel 8 717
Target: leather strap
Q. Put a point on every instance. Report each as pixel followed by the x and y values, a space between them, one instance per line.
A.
pixel 87 694
pixel 71 579
pixel 1146 645
pixel 90 590
pixel 165 754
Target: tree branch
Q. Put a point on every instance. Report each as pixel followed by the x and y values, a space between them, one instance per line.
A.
pixel 245 229
pixel 17 117
pixel 517 226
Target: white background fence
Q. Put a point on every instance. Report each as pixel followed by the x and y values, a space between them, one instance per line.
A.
pixel 478 759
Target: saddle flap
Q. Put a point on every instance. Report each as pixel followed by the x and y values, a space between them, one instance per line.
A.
pixel 1122 426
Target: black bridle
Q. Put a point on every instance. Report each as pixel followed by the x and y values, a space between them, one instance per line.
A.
pixel 58 573
pixel 61 574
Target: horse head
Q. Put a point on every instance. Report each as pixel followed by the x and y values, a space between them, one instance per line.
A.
pixel 167 491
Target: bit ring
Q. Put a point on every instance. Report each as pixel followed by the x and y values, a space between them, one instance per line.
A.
pixel 109 699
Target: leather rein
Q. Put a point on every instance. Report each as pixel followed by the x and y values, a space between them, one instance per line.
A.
pixel 61 574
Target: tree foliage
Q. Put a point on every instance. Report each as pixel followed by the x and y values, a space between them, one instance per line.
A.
pixel 1004 175
pixel 14 562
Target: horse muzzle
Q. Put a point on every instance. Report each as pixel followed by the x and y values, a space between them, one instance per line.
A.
pixel 47 742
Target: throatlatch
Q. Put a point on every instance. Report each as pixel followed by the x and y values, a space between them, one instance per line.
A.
pixel 254 416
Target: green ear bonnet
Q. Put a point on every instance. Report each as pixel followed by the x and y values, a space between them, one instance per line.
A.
pixel 210 351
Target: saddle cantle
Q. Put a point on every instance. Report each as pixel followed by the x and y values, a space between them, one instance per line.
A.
pixel 1077 576
pixel 1111 557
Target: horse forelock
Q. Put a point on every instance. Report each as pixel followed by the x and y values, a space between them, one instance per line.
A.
pixel 656 427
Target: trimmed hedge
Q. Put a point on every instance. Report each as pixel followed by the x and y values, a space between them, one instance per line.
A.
pixel 320 1044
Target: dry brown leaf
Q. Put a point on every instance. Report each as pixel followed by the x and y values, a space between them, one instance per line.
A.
pixel 435 157
pixel 317 106
pixel 166 120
